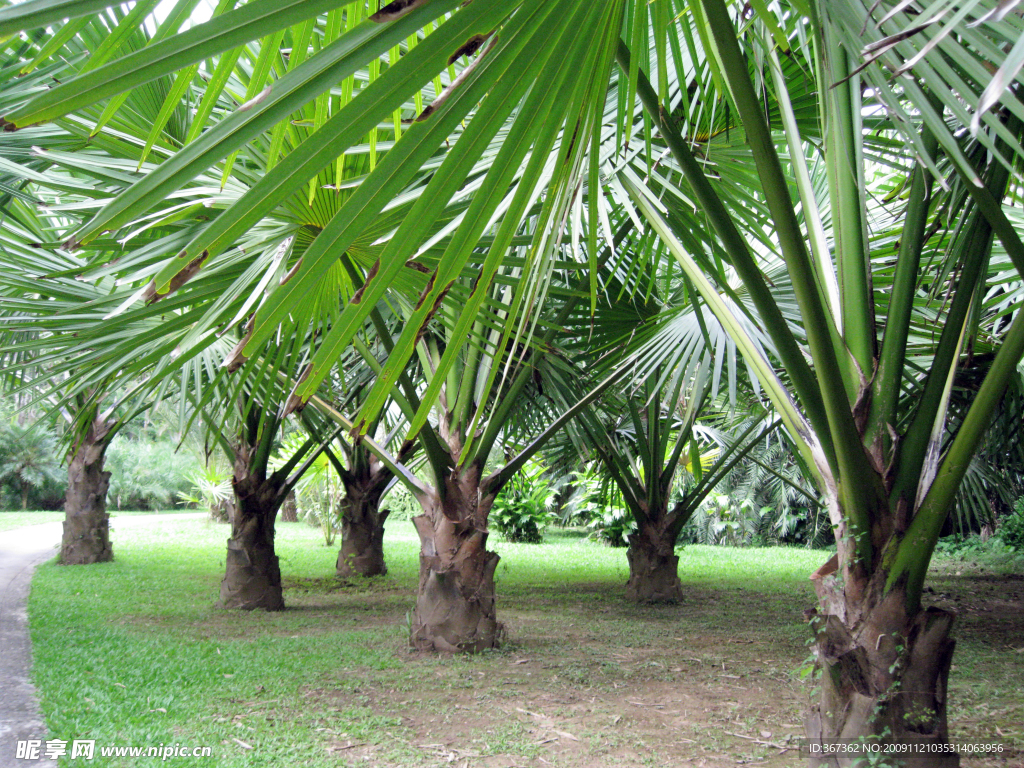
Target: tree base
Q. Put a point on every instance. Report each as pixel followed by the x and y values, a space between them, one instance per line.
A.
pixel 455 605
pixel 362 547
pixel 885 686
pixel 445 620
pixel 86 539
pixel 252 578
pixel 653 576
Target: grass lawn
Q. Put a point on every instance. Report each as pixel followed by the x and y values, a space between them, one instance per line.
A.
pixel 9 520
pixel 134 653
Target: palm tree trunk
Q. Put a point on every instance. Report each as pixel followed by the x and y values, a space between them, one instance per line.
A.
pixel 455 605
pixel 252 577
pixel 86 536
pixel 290 509
pixel 362 530
pixel 885 670
pixel 653 564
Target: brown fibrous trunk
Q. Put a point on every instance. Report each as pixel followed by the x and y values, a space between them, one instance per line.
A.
pixel 653 565
pixel 884 671
pixel 362 532
pixel 290 509
pixel 86 536
pixel 223 511
pixel 455 604
pixel 252 576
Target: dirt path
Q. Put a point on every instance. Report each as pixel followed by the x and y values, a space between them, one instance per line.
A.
pixel 21 550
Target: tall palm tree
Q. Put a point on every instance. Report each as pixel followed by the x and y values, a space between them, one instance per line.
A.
pixel 41 302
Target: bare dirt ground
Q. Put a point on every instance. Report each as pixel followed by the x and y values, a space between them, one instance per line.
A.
pixel 587 680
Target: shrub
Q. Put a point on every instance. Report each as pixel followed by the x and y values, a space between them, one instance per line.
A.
pixel 29 463
pixel 211 490
pixel 401 503
pixel 146 474
pixel 521 510
pixel 723 521
pixel 1011 528
pixel 612 526
pixel 595 502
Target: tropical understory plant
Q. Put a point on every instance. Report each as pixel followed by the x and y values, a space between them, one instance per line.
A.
pixel 523 508
pixel 764 501
pixel 211 489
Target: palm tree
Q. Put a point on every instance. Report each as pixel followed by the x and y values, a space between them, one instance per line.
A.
pixel 646 437
pixel 36 305
pixel 464 415
pixel 252 576
pixel 364 477
pixel 27 457
pixel 654 458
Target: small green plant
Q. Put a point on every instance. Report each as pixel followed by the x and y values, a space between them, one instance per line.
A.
pixel 583 496
pixel 521 510
pixel 401 503
pixel 989 551
pixel 1011 528
pixel 596 503
pixel 613 526
pixel 318 494
pixel 211 490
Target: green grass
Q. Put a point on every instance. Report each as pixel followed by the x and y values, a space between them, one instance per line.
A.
pixel 9 520
pixel 134 652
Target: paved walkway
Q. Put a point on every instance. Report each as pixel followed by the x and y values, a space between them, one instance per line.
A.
pixel 21 550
